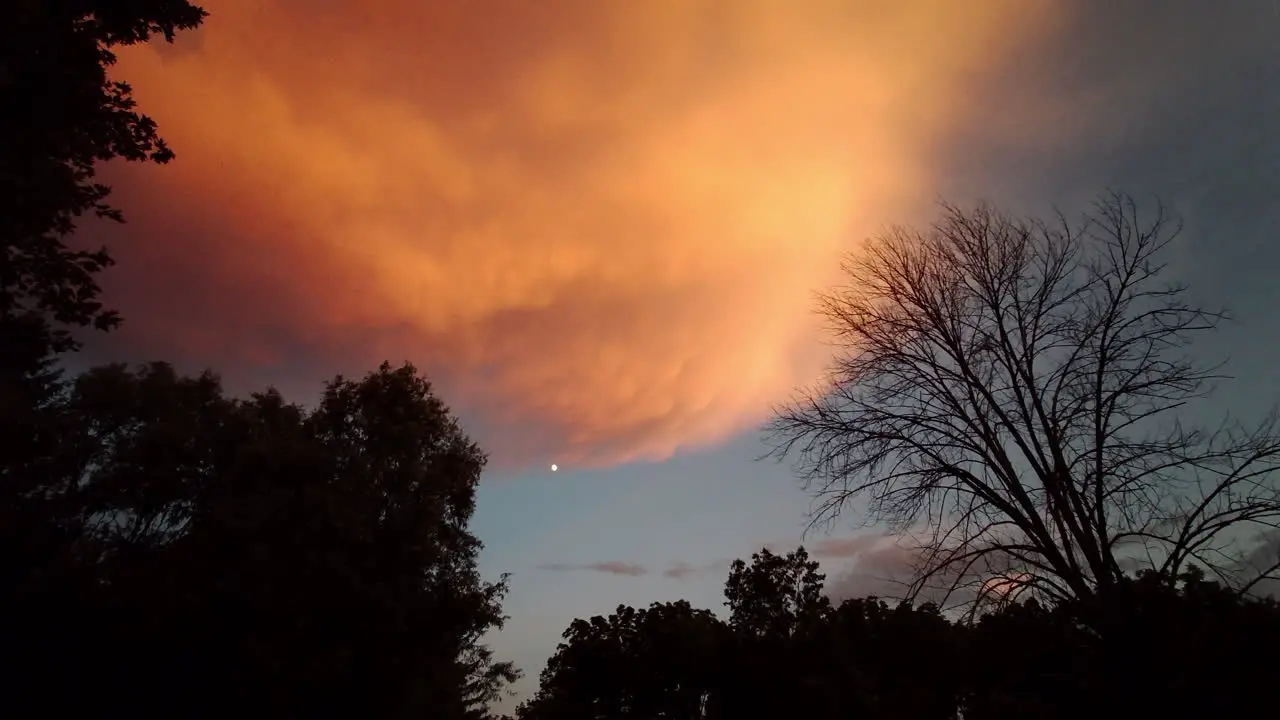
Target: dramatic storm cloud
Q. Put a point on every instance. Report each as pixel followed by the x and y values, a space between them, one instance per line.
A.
pixel 597 224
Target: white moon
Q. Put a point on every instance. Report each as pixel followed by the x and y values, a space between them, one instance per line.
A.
pixel 553 467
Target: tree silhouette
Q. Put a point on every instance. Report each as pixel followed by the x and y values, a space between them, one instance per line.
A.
pixel 793 653
pixel 206 554
pixel 775 603
pixel 776 595
pixel 661 661
pixel 1151 645
pixel 1007 392
pixel 54 66
pixel 1183 647
pixel 889 662
pixel 785 652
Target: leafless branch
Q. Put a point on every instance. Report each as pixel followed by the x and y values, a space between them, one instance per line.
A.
pixel 1010 390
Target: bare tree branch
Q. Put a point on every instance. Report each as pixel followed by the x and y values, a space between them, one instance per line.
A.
pixel 1009 392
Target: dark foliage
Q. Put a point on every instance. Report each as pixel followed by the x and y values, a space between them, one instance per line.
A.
pixel 185 554
pixel 1148 648
pixel 64 115
pixel 661 661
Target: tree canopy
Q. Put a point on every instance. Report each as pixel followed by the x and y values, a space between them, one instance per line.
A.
pixel 54 64
pixel 251 553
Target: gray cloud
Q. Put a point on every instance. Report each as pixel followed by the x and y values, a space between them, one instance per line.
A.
pixel 609 567
pixel 846 547
pixel 883 566
pixel 877 564
pixel 1260 566
pixel 679 570
pixel 860 565
pixel 1174 98
pixel 685 571
pixel 881 572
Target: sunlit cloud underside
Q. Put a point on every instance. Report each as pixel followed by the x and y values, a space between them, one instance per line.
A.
pixel 599 223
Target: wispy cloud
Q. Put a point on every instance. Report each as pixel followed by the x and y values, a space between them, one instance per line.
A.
pixel 609 567
pixel 834 547
pixel 675 571
pixel 851 546
pixel 882 570
pixel 684 571
pixel 860 565
pixel 680 571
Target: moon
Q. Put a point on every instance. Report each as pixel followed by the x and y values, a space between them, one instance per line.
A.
pixel 554 467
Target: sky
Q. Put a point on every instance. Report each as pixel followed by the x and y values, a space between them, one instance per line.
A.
pixel 598 228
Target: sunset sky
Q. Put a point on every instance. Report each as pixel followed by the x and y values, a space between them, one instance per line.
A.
pixel 598 226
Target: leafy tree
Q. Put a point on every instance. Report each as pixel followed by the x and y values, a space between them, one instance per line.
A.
pixel 785 652
pixel 776 595
pixel 54 66
pixel 215 554
pixel 673 661
pixel 659 662
pixel 774 602
pixel 794 653
pixel 1011 390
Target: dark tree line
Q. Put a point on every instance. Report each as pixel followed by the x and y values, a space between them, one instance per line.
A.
pixel 1189 648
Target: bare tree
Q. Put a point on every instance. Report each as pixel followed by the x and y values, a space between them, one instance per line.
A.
pixel 1006 394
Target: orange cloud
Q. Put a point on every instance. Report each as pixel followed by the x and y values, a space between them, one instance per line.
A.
pixel 600 221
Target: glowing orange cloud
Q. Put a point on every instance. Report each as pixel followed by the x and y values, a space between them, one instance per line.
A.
pixel 600 221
